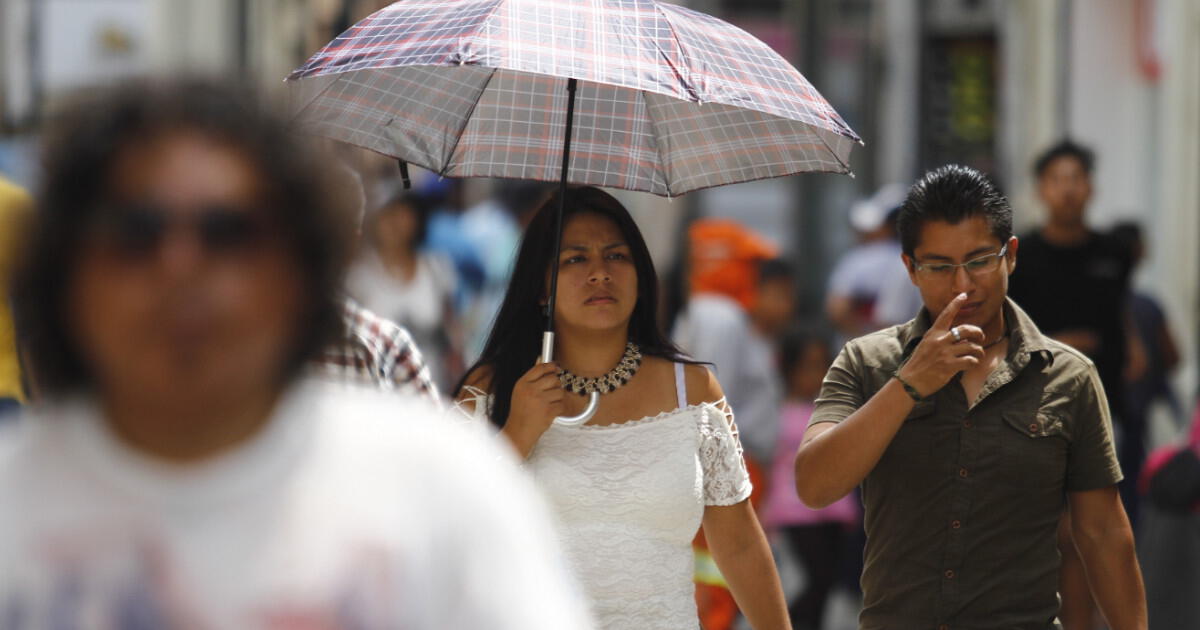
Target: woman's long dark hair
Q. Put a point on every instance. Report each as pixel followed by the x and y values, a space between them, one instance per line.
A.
pixel 515 341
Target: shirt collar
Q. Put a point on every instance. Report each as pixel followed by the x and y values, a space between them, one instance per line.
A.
pixel 1024 340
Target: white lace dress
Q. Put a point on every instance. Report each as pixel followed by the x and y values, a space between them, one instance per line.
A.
pixel 629 499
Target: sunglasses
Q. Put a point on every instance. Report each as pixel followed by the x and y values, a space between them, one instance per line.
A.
pixel 137 231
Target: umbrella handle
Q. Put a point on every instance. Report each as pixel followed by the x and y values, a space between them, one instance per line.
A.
pixel 594 397
pixel 588 412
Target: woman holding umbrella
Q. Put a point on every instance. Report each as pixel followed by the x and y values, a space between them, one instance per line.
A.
pixel 660 457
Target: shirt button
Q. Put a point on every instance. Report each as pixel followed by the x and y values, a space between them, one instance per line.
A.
pixel 967 424
pixel 949 574
pixel 962 472
pixel 1033 428
pixel 955 524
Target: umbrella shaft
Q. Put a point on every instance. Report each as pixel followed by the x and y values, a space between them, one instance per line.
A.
pixel 562 203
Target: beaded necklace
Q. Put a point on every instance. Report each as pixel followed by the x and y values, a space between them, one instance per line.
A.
pixel 616 377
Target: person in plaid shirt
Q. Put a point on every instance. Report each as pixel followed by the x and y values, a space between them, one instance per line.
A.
pixel 377 351
pixel 373 351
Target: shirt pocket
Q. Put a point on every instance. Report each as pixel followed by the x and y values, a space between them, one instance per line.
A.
pixel 1034 447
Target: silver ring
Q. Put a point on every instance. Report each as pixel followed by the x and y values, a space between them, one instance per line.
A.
pixel 957 335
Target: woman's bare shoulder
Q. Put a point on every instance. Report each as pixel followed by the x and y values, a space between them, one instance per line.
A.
pixel 702 385
pixel 479 378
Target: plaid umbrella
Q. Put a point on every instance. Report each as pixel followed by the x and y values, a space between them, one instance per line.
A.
pixel 669 100
pixel 659 98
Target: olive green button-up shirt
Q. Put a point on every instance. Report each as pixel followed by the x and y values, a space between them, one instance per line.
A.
pixel 961 510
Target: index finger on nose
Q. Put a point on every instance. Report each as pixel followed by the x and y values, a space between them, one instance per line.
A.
pixel 947 315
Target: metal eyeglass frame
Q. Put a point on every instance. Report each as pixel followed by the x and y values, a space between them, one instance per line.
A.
pixel 949 269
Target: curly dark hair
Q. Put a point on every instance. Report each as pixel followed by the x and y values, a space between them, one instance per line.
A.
pixel 81 145
pixel 952 193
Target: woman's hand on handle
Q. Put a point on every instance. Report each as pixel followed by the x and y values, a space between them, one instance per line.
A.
pixel 537 398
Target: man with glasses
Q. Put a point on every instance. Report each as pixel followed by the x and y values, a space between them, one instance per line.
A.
pixel 970 433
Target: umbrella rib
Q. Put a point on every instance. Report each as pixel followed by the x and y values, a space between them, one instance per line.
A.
pixel 466 121
pixel 817 133
pixel 686 81
pixel 662 156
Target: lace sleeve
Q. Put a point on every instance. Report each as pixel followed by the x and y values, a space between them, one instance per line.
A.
pixel 726 481
pixel 475 406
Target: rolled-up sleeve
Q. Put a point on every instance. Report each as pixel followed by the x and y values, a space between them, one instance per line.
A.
pixel 842 392
pixel 1092 461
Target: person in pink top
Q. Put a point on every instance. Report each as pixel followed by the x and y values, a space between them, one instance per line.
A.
pixel 815 538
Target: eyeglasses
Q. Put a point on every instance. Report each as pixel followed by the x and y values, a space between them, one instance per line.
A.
pixel 975 267
pixel 136 231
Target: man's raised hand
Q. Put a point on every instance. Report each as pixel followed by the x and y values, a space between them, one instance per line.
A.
pixel 944 351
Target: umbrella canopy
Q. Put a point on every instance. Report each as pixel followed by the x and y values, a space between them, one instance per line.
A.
pixel 669 100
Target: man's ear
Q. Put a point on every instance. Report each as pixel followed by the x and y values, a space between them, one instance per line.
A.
pixel 1011 255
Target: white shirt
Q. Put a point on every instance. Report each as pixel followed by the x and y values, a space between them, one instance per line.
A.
pixel 347 510
pixel 629 498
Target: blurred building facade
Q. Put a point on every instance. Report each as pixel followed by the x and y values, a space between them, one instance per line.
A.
pixel 924 82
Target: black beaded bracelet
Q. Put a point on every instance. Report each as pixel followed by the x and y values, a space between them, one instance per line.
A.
pixel 912 391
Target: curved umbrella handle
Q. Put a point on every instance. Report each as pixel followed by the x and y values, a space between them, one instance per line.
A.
pixel 593 400
pixel 588 412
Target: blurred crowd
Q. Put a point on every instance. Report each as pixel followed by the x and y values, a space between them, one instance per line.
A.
pixel 420 295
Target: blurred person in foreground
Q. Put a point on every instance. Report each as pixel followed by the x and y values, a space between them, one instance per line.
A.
pixel 15 209
pixel 819 540
pixel 178 472
pixel 971 433
pixel 661 457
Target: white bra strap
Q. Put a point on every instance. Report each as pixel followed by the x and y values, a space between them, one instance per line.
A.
pixel 680 385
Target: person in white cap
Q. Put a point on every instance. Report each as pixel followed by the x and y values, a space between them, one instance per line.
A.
pixel 868 271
